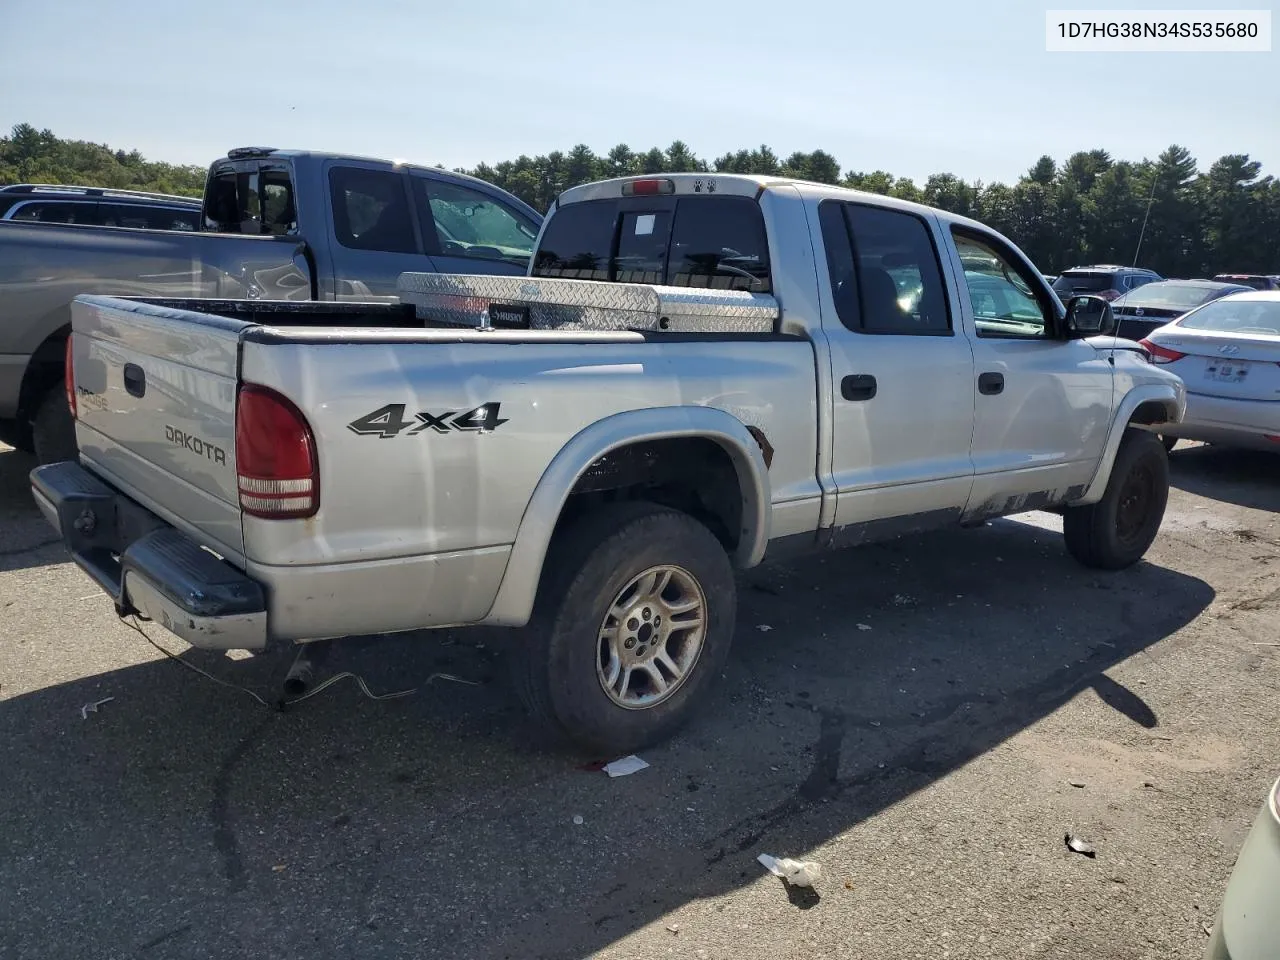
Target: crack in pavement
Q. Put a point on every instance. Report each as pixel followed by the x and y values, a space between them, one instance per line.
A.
pixel 224 835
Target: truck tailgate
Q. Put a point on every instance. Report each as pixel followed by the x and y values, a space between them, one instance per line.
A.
pixel 155 403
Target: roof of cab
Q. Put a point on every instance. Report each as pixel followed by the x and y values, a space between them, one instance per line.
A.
pixel 752 185
pixel 274 153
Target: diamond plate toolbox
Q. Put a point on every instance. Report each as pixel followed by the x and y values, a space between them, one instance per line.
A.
pixel 535 303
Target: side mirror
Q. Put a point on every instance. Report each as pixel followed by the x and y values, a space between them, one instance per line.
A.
pixel 1089 317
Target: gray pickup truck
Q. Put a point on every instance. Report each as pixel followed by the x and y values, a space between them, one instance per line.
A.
pixel 699 373
pixel 275 225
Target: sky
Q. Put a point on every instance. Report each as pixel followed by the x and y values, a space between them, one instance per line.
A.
pixel 909 86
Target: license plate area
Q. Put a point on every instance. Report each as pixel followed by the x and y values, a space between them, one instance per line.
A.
pixel 1227 371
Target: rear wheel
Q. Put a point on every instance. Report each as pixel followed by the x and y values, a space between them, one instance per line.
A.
pixel 54 429
pixel 1116 531
pixel 633 623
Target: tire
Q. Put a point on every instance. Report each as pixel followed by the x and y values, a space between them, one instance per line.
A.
pixel 1116 532
pixel 1169 443
pixel 17 434
pixel 559 664
pixel 54 429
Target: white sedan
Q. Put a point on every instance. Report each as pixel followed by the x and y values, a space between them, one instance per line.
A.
pixel 1248 927
pixel 1227 352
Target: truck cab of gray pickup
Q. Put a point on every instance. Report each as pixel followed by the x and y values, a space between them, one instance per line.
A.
pixel 698 372
pixel 274 225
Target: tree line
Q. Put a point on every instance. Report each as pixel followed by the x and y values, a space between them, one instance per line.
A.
pixel 29 155
pixel 1089 208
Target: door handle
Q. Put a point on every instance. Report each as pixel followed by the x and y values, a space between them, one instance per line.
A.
pixel 858 386
pixel 989 384
pixel 135 380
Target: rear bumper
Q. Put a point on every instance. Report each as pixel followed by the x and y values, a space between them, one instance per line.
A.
pixel 147 566
pixel 1248 423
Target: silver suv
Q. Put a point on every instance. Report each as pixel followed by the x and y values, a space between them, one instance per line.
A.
pixel 98 206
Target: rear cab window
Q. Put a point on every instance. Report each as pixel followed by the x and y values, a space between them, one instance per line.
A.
pixel 1082 283
pixel 254 197
pixel 704 242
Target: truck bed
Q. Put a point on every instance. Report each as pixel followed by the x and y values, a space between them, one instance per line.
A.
pixel 430 440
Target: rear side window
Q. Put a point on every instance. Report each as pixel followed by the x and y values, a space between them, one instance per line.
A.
pixel 53 211
pixel 144 217
pixel 715 243
pixel 371 210
pixel 885 275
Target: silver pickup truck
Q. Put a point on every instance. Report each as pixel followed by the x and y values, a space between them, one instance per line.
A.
pixel 275 225
pixel 697 374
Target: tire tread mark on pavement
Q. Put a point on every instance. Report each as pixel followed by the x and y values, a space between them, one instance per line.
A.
pixel 164 937
pixel 370 887
pixel 224 835
pixel 38 545
pixel 931 756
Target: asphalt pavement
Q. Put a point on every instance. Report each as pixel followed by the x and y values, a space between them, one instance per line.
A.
pixel 927 719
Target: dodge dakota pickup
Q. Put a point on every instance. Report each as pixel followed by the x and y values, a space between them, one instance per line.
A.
pixel 697 373
pixel 275 224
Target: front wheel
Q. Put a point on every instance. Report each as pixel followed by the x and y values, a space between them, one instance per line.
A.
pixel 633 624
pixel 1116 531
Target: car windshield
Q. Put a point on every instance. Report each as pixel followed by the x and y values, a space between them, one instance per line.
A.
pixel 1236 316
pixel 1167 296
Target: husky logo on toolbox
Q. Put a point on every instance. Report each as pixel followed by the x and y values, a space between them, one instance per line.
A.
pixel 387 422
pixel 193 443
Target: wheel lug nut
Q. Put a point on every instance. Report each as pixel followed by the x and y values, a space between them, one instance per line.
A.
pixel 630 642
pixel 633 624
pixel 647 613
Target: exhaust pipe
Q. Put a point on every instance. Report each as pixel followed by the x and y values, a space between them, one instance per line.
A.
pixel 301 674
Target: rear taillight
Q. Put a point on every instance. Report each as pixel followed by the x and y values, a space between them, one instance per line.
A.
pixel 69 378
pixel 1161 354
pixel 276 465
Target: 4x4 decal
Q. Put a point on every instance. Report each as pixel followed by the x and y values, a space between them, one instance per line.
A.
pixel 389 421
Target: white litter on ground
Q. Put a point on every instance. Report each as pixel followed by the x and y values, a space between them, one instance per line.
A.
pixel 802 873
pixel 625 766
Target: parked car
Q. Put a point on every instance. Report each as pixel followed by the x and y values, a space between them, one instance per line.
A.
pixel 1248 925
pixel 1256 281
pixel 1154 304
pixel 1228 354
pixel 98 206
pixel 275 225
pixel 1104 281
pixel 1049 278
pixel 695 374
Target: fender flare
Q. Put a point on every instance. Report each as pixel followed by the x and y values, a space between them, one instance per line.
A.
pixel 1174 399
pixel 513 604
